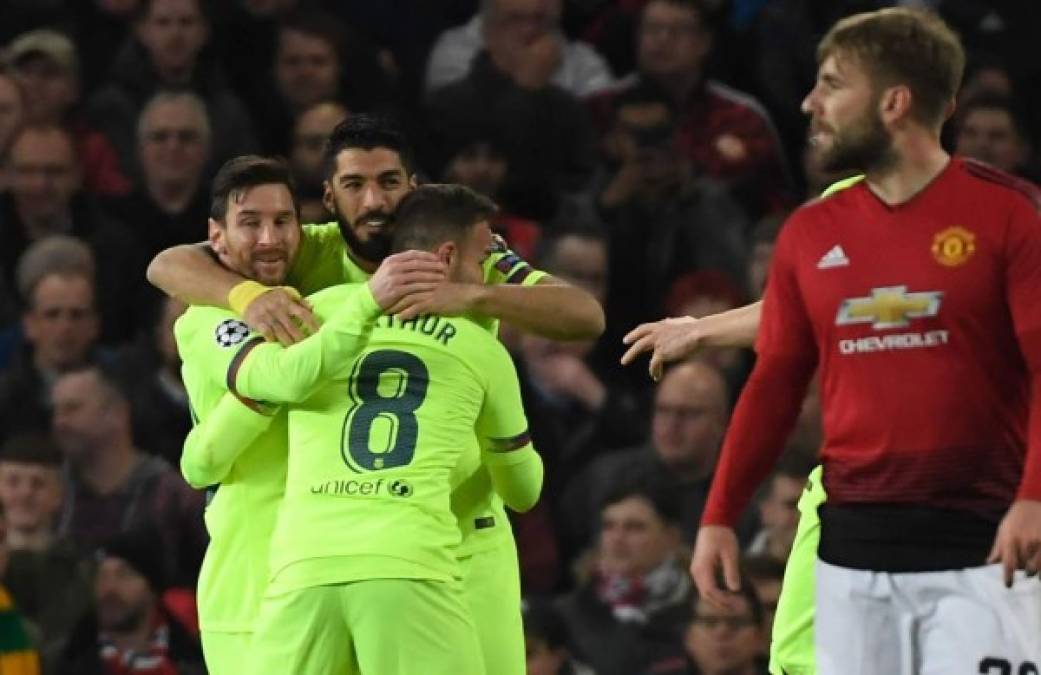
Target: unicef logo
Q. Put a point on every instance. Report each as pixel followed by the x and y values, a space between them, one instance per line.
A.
pixel 400 488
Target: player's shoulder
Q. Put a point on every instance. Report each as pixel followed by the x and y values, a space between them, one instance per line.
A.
pixel 328 298
pixel 994 184
pixel 321 230
pixel 821 211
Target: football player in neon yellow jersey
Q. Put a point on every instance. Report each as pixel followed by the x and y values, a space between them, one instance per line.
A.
pixel 669 340
pixel 254 230
pixel 369 172
pixel 436 380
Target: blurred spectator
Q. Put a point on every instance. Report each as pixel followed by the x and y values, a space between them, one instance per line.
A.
pixel 545 131
pixel 991 129
pixel 172 203
pixel 576 411
pixel 631 612
pixel 727 641
pixel 100 29
pixel 310 132
pixel 46 198
pixel 547 642
pixel 112 486
pixel 766 576
pixel 985 73
pixel 779 512
pixel 760 253
pixel 689 418
pixel 60 327
pixel 317 59
pixel 12 115
pixel 46 65
pixel 17 654
pixel 725 133
pixel 663 221
pixel 131 631
pixel 531 41
pixel 166 51
pixel 50 583
pixel 151 370
pixel 480 163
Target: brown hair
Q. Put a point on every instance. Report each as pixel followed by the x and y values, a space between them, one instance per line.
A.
pixel 903 46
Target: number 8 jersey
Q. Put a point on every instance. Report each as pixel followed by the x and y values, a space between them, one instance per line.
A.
pixel 371 451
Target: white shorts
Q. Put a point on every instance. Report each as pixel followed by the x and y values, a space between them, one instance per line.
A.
pixel 960 622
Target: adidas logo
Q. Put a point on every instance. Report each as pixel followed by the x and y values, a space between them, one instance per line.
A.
pixel 836 257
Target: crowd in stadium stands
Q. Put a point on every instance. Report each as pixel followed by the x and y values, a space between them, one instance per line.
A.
pixel 645 150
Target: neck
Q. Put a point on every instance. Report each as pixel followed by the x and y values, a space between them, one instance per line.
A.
pixel 37 227
pixel 172 196
pixel 679 85
pixel 38 539
pixel 919 160
pixel 366 265
pixel 109 470
pixel 135 639
pixel 178 75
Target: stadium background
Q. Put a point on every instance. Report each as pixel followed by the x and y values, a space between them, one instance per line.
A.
pixel 647 151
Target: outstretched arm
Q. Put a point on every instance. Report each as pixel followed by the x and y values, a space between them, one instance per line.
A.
pixel 675 339
pixel 190 273
pixel 549 307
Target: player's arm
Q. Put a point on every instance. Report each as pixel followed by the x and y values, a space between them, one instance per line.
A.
pixel 764 416
pixel 518 294
pixel 192 274
pixel 678 338
pixel 264 371
pixel 214 444
pixel 1018 542
pixel 502 430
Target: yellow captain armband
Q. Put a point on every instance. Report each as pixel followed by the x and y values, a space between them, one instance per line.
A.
pixel 243 294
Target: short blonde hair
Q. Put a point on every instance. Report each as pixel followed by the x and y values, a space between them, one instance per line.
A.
pixel 905 46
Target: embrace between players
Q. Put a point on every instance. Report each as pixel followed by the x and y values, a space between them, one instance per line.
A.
pixel 914 292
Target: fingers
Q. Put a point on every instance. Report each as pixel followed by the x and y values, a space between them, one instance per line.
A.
pixel 302 315
pixel 731 572
pixel 638 332
pixel 657 366
pixel 643 344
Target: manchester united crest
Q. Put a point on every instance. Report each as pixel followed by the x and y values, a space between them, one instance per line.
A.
pixel 954 246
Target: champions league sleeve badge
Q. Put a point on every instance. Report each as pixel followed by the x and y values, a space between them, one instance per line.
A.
pixel 231 332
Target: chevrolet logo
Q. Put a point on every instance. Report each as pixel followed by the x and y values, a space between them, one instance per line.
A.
pixel 889 307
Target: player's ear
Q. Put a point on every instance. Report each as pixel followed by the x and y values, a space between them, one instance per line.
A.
pixel 413 182
pixel 447 253
pixel 895 103
pixel 327 197
pixel 215 235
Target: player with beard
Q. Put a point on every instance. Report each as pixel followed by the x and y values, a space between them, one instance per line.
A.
pixel 915 292
pixel 369 171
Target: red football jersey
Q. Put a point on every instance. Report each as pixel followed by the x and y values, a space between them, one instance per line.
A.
pixel 925 322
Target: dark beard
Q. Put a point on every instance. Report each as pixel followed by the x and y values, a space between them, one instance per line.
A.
pixel 373 251
pixel 865 147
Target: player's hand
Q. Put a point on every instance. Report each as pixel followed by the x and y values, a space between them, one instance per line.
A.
pixel 1017 545
pixel 281 315
pixel 446 299
pixel 668 340
pixel 716 550
pixel 410 273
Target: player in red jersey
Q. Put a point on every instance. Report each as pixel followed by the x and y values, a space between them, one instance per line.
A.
pixel 917 295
